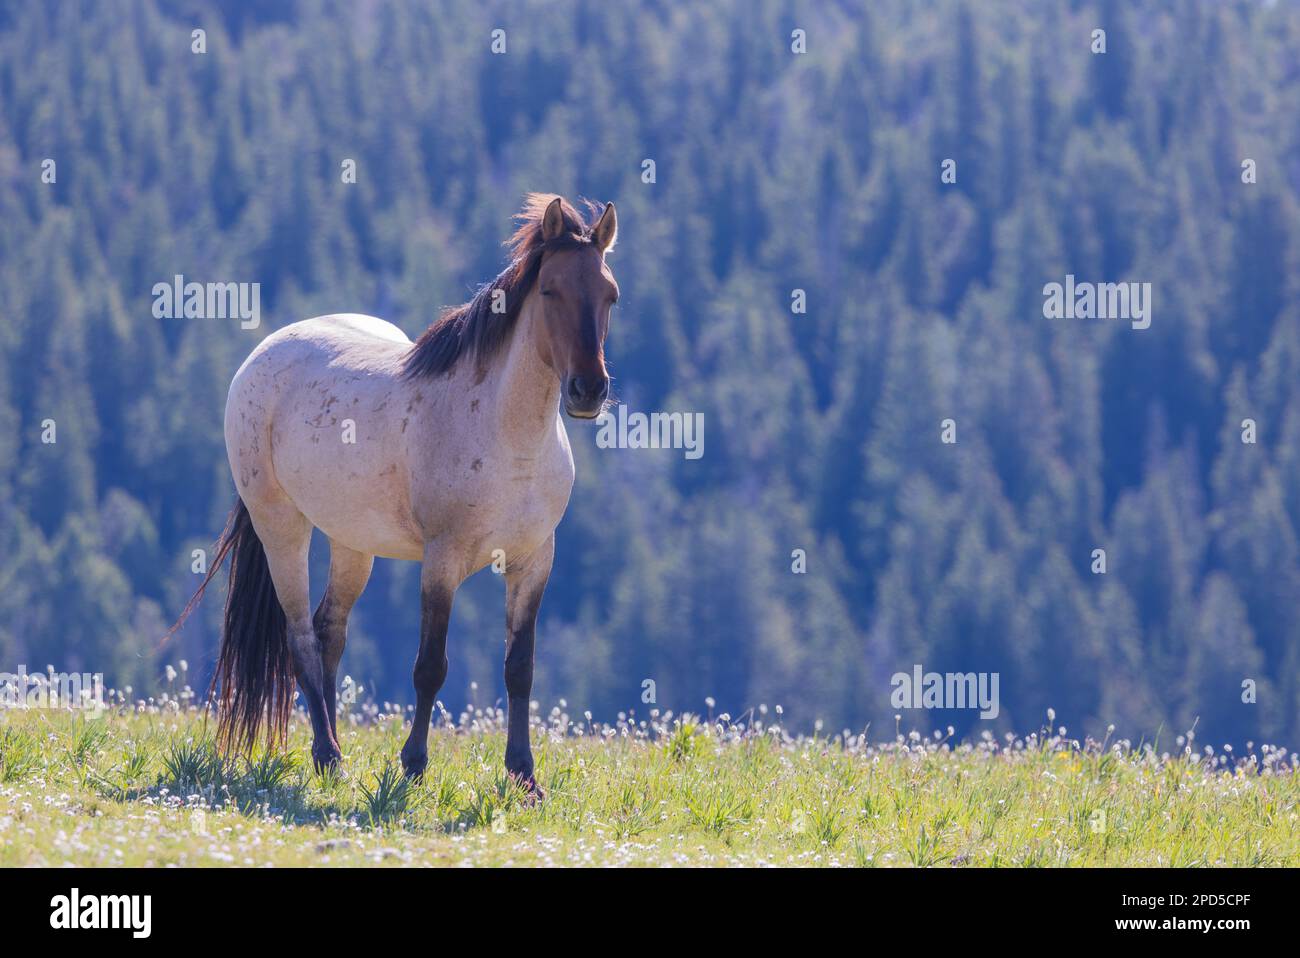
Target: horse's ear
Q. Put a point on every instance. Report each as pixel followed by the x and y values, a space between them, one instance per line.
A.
pixel 552 221
pixel 605 234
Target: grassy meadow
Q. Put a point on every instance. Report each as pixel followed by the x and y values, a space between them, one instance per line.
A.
pixel 143 786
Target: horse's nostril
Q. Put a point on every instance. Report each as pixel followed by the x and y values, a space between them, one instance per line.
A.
pixel 586 391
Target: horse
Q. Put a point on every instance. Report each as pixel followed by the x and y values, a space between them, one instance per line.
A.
pixel 450 451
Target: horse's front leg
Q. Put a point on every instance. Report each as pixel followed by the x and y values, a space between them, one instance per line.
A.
pixel 525 582
pixel 437 587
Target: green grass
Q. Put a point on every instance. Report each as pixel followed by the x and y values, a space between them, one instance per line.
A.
pixel 146 787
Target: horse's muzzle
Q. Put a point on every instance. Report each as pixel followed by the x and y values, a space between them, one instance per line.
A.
pixel 584 396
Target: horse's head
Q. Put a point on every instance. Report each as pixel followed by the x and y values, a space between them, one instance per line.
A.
pixel 576 292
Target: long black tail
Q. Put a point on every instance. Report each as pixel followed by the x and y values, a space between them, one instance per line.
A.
pixel 253 685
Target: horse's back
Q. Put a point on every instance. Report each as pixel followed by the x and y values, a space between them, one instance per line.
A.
pixel 366 340
pixel 359 324
pixel 320 354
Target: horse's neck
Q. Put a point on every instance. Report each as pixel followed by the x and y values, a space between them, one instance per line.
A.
pixel 525 392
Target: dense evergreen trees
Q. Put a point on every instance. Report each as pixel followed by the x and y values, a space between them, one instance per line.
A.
pixel 774 171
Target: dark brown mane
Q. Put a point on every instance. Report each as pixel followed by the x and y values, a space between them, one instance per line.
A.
pixel 473 327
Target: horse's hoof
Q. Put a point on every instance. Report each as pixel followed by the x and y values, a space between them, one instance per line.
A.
pixel 533 793
pixel 325 759
pixel 414 765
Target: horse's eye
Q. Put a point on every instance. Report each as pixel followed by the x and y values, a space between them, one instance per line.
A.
pixel 546 292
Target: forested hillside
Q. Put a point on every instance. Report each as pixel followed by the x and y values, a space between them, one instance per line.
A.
pixel 774 171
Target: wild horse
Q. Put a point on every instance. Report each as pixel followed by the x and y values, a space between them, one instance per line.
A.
pixel 443 451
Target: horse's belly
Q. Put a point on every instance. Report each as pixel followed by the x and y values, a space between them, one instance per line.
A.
pixel 365 523
pixel 355 490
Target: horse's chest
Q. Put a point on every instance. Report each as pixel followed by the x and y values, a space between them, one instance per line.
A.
pixel 510 501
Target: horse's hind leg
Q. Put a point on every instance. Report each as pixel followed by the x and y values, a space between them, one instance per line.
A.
pixel 286 537
pixel 349 573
